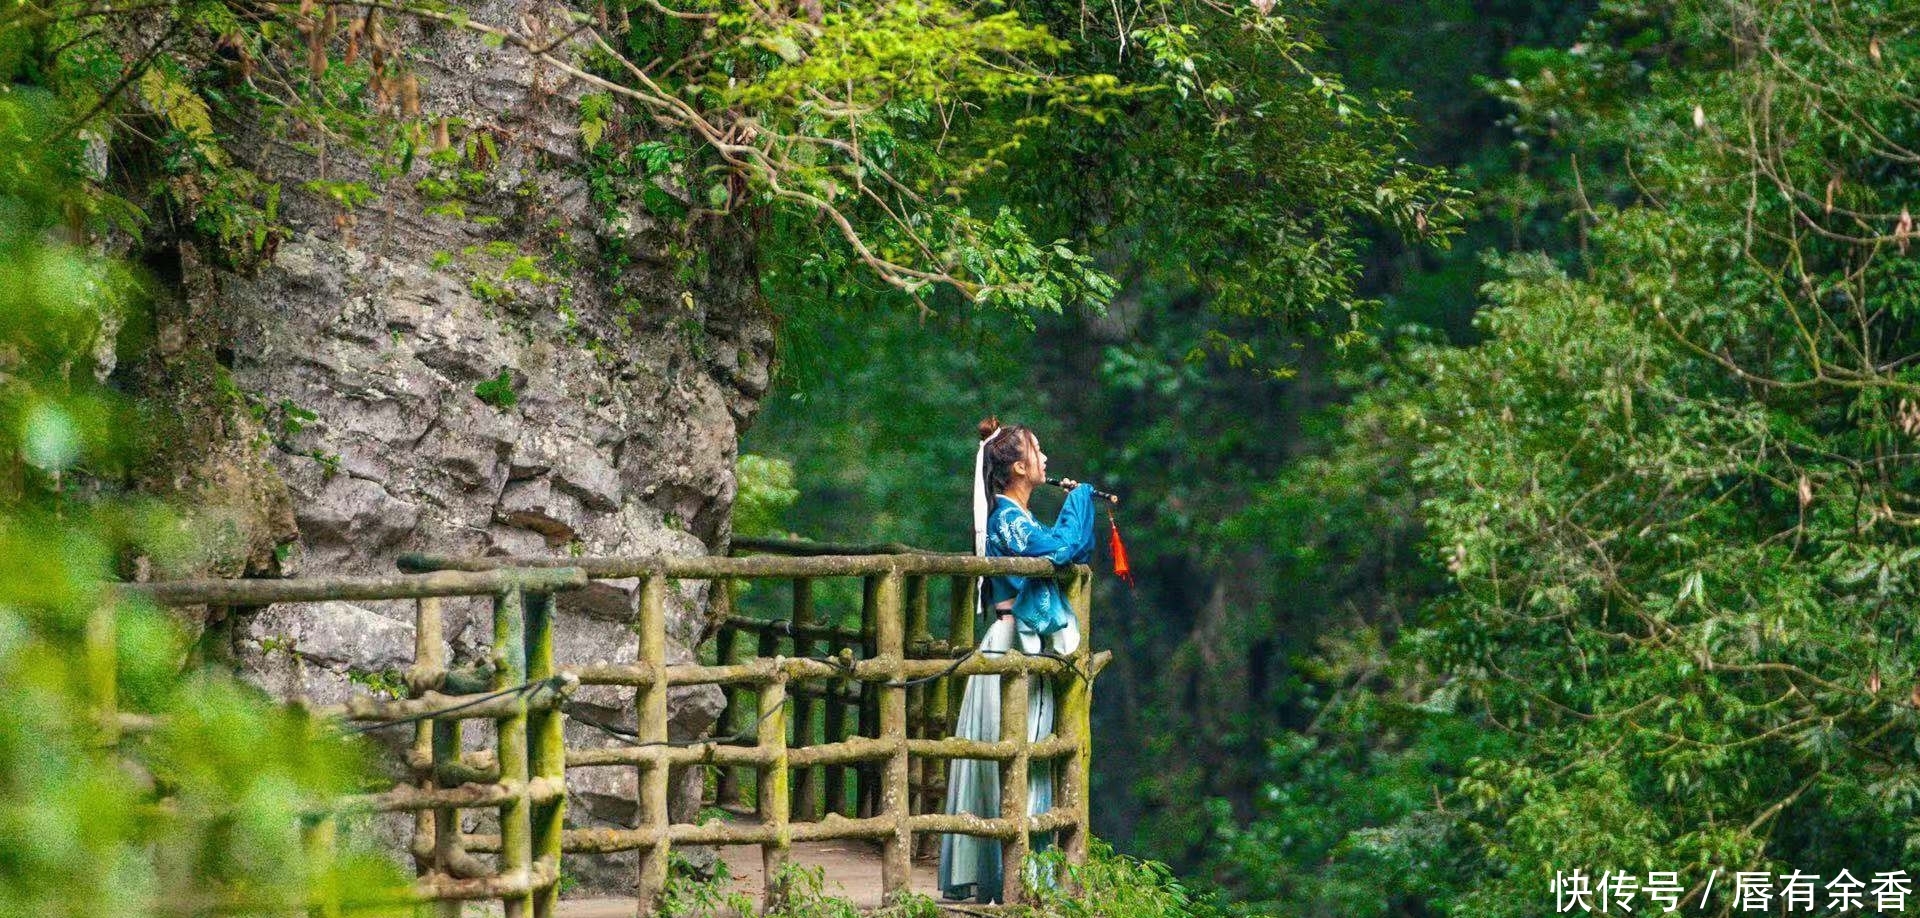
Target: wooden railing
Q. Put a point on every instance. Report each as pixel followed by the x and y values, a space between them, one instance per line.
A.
pixel 851 699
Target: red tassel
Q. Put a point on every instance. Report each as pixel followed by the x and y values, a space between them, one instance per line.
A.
pixel 1119 550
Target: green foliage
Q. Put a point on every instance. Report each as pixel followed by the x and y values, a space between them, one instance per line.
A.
pixel 1112 885
pixel 498 391
pixel 765 491
pixel 390 683
pixel 881 442
pixel 883 118
pixel 1668 490
pixel 201 813
pixel 688 895
pixel 1109 885
pixel 347 195
pixel 1234 202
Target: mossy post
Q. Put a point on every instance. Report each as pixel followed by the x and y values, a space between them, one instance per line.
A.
pixel 546 756
pixel 442 824
pixel 917 640
pixel 446 819
pixel 320 838
pixel 960 623
pixel 772 743
pixel 726 790
pixel 214 646
pixel 425 671
pixel 102 663
pixel 922 719
pixel 866 793
pixel 806 707
pixel 944 708
pixel 651 698
pixel 769 647
pixel 1076 724
pixel 1013 785
pixel 516 812
pixel 896 801
pixel 839 698
pixel 529 784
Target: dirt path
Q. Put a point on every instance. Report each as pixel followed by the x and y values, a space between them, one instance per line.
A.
pixel 852 871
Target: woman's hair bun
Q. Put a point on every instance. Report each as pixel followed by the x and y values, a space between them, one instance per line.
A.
pixel 988 426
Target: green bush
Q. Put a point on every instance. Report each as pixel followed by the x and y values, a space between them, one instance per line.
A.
pixel 195 807
pixel 498 391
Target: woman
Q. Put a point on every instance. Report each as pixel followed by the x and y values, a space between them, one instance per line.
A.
pixel 1008 467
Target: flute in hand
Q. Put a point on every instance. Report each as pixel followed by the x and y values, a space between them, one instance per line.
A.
pixel 1069 484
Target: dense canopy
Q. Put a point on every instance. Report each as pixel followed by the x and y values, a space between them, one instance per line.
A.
pixel 1515 403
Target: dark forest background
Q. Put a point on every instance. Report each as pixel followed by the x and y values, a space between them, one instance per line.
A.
pixel 1516 404
pixel 1329 697
pixel 1258 594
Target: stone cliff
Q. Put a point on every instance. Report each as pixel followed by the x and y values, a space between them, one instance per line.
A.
pixel 535 371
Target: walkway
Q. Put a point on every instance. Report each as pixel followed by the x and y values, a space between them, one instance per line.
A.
pixel 852 870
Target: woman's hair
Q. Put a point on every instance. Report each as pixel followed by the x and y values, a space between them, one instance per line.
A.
pixel 996 465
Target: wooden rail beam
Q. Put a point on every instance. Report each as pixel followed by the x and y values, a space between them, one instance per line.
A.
pixel 448 582
pixel 896 738
pixel 755 567
pixel 878 828
pixel 763 670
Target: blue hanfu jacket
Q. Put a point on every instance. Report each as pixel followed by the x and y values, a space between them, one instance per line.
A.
pixel 1039 607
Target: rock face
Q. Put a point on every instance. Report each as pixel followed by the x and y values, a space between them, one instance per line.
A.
pixel 478 380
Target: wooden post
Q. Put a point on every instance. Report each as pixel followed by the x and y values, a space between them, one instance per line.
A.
pixel 946 692
pixel 837 732
pixel 1076 724
pixel 769 648
pixel 865 787
pixel 652 722
pixel 806 708
pixel 896 863
pixel 960 639
pixel 516 816
pixel 443 743
pixel 319 836
pixel 773 793
pixel 214 646
pixel 427 667
pixel 102 662
pixel 546 755
pixel 918 636
pixel 446 819
pixel 726 791
pixel 922 774
pixel 1013 784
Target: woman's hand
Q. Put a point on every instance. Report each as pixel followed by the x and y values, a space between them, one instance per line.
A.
pixel 1069 483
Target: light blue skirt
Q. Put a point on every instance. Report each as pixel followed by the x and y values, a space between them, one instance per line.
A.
pixel 970 866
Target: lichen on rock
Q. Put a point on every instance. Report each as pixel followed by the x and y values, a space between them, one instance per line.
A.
pixel 406 376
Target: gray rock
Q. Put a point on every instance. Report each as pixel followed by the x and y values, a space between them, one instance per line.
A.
pixel 336 635
pixel 619 437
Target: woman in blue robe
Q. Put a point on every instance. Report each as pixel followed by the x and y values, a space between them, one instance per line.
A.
pixel 1032 610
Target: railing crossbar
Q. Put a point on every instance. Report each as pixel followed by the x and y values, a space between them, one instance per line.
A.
pixel 877 703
